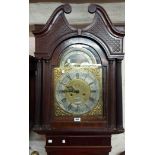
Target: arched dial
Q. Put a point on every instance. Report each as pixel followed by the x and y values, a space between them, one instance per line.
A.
pixel 77 91
pixel 78 55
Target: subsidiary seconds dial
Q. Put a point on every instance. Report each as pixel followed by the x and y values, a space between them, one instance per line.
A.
pixel 77 92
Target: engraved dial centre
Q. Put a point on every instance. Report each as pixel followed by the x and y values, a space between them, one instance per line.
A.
pixel 80 93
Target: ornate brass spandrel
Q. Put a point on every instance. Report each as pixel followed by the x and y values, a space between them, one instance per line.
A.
pixel 60 112
pixel 96 111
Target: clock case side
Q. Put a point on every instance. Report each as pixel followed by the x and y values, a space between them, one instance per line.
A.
pixel 56 31
pixel 32 76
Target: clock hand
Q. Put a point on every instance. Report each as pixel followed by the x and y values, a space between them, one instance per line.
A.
pixel 71 89
pixel 74 90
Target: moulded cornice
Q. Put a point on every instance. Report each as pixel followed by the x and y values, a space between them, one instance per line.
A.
pixel 93 8
pixel 66 8
pixel 57 29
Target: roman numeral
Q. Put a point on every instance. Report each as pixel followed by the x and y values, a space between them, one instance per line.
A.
pixel 77 75
pixel 69 76
pixel 91 83
pixel 69 106
pixel 87 106
pixel 91 99
pixel 61 91
pixel 93 91
pixel 86 76
pixel 62 83
pixel 77 108
pixel 64 100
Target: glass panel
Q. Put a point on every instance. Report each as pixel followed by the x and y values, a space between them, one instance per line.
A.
pixel 79 55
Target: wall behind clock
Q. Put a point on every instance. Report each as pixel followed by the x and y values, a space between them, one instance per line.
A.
pixel 40 11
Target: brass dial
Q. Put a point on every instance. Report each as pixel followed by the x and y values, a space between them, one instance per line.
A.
pixel 77 91
pixel 78 82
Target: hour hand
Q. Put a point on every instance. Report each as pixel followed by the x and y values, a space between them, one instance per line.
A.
pixel 71 89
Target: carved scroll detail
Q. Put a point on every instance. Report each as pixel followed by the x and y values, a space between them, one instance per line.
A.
pixel 99 30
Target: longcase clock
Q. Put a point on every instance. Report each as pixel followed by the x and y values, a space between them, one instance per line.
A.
pixel 78 85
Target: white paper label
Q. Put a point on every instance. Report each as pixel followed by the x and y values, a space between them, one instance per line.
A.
pixel 50 141
pixel 77 119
